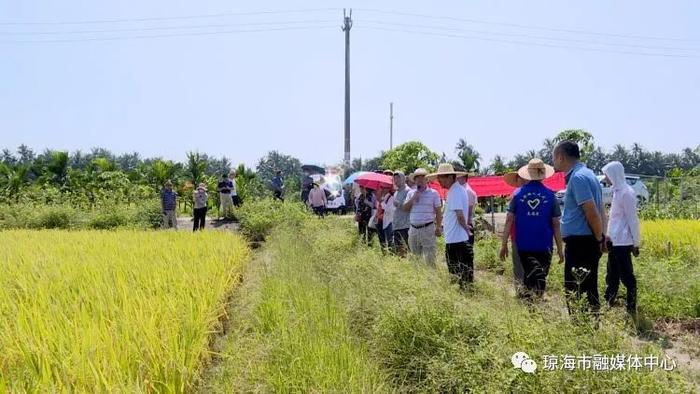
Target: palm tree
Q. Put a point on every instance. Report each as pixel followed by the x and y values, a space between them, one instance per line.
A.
pixel 196 167
pixel 468 155
pixel 13 179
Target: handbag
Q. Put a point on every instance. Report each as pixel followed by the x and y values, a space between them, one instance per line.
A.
pixel 372 222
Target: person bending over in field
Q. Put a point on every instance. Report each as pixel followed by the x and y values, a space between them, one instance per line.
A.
pixel 623 237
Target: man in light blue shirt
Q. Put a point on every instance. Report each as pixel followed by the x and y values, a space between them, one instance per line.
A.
pixel 582 225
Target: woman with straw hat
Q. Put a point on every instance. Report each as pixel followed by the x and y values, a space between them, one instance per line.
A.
pixel 535 213
pixel 200 207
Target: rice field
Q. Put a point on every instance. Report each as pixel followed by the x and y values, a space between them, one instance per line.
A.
pixel 123 311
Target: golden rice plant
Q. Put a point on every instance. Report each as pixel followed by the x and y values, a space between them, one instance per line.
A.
pixel 672 238
pixel 123 311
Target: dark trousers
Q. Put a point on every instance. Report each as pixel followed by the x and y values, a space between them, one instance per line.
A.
pixel 380 233
pixel 319 211
pixel 365 232
pixel 620 269
pixel 582 253
pixel 200 215
pixel 277 195
pixel 401 241
pixel 535 268
pixel 460 261
pixel 236 200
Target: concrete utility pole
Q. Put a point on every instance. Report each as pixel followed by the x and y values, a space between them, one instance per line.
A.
pixel 391 126
pixel 347 25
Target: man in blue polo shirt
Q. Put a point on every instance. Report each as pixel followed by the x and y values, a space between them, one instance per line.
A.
pixel 582 225
pixel 535 213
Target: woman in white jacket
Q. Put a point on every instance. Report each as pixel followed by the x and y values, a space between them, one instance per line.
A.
pixel 387 204
pixel 623 237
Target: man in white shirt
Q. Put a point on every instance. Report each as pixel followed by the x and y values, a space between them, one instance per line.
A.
pixel 458 250
pixel 623 237
pixel 471 205
pixel 425 217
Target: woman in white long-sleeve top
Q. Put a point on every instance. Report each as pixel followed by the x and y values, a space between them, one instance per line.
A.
pixel 623 237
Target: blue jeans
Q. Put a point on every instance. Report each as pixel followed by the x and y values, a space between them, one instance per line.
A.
pixel 386 237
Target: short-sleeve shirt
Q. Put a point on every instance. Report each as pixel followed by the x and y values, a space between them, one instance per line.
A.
pixel 401 220
pixel 457 200
pixel 534 207
pixel 423 211
pixel 225 186
pixel 473 199
pixel 581 186
pixel 168 199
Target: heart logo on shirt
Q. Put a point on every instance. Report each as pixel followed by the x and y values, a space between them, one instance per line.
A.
pixel 533 203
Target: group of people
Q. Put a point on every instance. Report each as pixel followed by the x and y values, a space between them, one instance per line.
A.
pixel 409 216
pixel 228 198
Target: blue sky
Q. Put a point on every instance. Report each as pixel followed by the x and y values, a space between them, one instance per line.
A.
pixel 242 94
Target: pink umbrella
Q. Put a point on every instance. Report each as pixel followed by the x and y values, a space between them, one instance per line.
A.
pixel 374 181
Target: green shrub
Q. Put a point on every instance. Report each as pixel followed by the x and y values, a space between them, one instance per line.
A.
pixel 53 217
pixel 259 217
pixel 148 215
pixel 110 219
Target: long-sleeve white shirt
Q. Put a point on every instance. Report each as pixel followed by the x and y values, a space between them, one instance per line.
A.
pixel 623 222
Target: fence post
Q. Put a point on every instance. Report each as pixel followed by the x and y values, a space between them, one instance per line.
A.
pixel 493 216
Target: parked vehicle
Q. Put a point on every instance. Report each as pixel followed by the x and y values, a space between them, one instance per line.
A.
pixel 335 194
pixel 637 184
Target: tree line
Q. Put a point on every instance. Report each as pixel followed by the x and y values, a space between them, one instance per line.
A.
pixel 635 158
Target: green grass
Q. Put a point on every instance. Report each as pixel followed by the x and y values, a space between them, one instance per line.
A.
pixel 667 271
pixel 324 304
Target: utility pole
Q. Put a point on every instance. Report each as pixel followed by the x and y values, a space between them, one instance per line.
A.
pixel 391 126
pixel 347 25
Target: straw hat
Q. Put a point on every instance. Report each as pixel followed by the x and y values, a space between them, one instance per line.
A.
pixel 446 169
pixel 511 179
pixel 420 172
pixel 535 170
pixel 202 186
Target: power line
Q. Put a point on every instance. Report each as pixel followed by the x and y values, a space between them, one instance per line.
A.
pixel 172 35
pixel 169 18
pixel 529 43
pixel 532 27
pixel 58 32
pixel 573 40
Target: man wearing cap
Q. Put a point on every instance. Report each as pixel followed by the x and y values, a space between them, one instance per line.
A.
pixel 423 205
pixel 401 217
pixel 536 213
pixel 582 224
pixel 168 204
pixel 458 250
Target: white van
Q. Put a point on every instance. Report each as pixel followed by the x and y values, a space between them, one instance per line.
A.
pixel 636 182
pixel 333 187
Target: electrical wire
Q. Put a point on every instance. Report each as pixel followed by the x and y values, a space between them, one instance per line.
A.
pixel 170 18
pixel 59 32
pixel 191 34
pixel 518 35
pixel 526 43
pixel 522 26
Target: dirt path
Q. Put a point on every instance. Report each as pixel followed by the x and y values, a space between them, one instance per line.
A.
pixel 184 223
